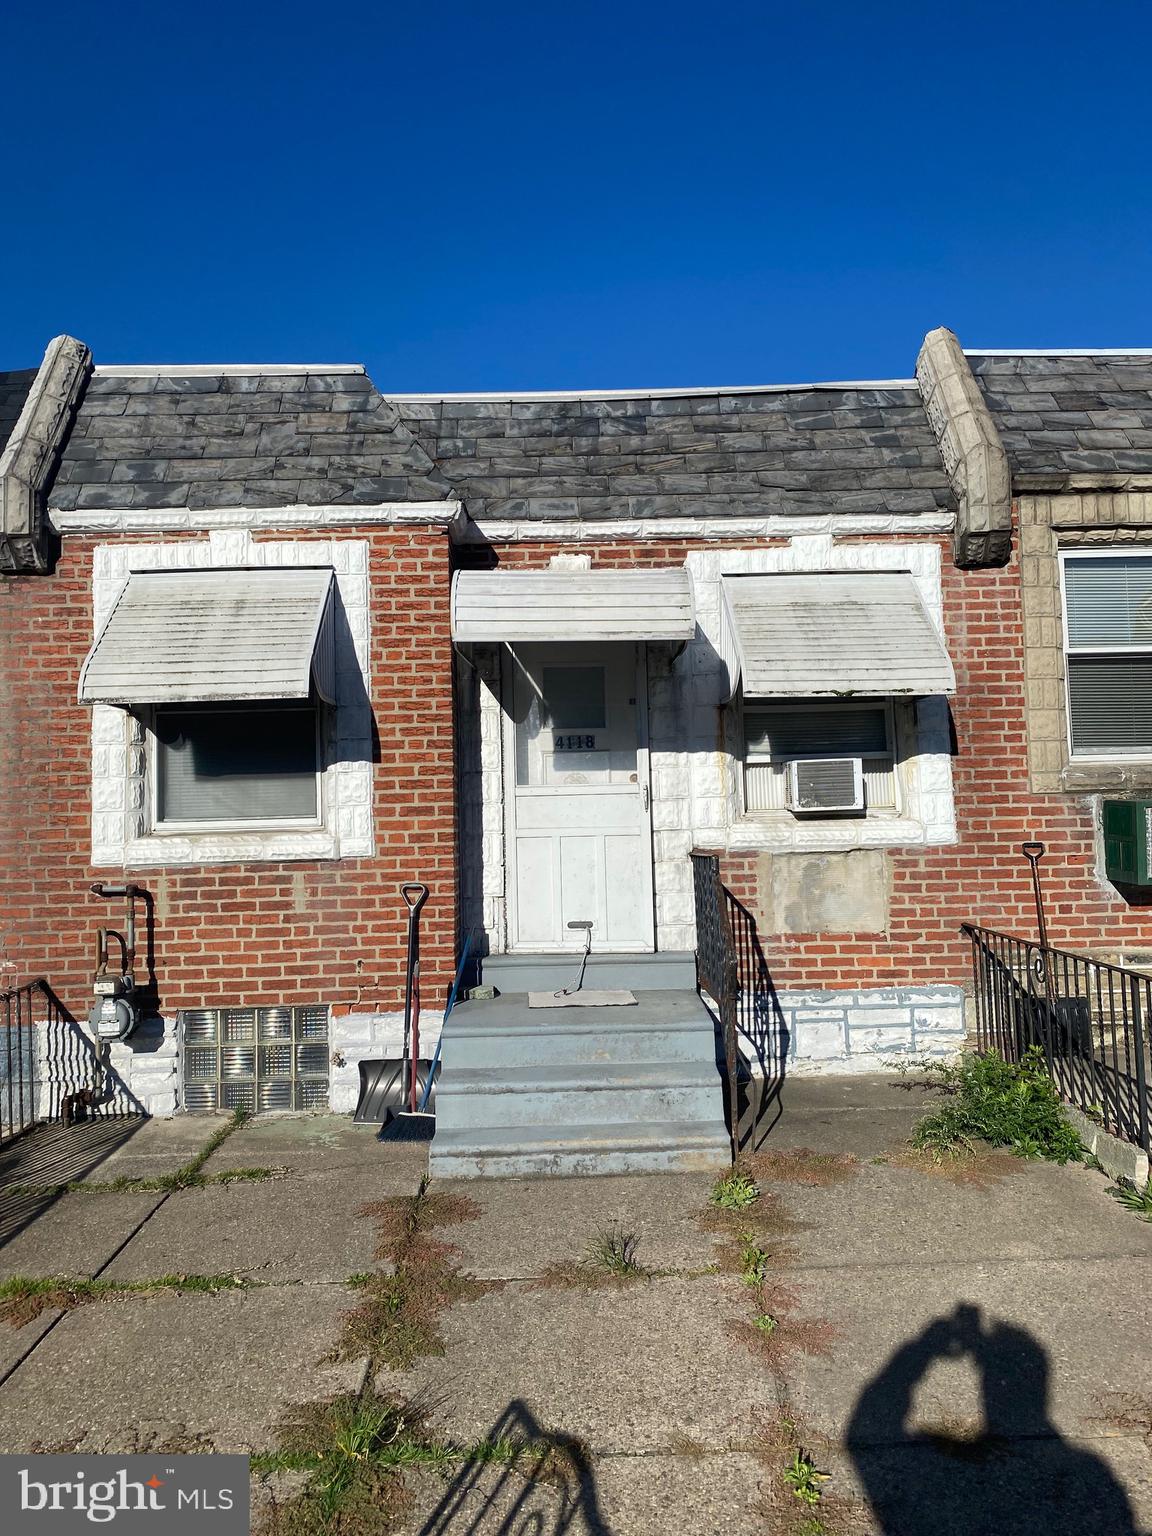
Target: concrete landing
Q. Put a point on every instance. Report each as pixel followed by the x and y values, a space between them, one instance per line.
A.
pixel 623 1089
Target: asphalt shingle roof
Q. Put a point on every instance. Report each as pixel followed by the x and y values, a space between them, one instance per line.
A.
pixel 866 449
pixel 14 387
pixel 1069 413
pixel 240 440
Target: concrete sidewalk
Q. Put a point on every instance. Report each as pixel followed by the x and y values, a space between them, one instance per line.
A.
pixel 966 1359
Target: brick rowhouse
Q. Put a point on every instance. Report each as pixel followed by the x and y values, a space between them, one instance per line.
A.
pixel 235 934
pixel 983 877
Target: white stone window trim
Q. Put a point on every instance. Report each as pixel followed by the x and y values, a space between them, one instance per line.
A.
pixel 122 832
pixel 718 818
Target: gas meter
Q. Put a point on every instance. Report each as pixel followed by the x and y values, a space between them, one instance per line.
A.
pixel 116 1010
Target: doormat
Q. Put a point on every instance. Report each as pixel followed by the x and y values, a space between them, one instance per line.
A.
pixel 581 999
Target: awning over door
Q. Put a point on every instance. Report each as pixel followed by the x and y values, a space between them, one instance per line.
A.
pixel 177 637
pixel 493 606
pixel 832 634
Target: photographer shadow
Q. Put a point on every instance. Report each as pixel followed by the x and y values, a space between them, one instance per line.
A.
pixel 1014 1476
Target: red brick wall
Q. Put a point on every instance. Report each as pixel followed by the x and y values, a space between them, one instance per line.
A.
pixel 245 934
pixel 983 878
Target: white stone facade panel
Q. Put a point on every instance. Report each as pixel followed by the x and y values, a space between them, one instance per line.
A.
pixel 121 835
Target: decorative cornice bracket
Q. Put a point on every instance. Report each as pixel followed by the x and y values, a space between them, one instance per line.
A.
pixel 970 446
pixel 31 454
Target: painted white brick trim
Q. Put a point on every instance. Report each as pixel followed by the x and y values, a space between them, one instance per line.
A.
pixel 714 789
pixel 830 1033
pixel 494 530
pixel 120 834
pixel 203 519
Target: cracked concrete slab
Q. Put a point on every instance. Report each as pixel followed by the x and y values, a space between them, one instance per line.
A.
pixel 112 1375
pixel 1034 1345
pixel 890 1215
pixel 627 1369
pixel 278 1230
pixel 528 1224
pixel 73 1234
pixel 315 1144
pixel 622 1495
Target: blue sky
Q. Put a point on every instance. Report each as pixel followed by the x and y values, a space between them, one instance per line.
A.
pixel 510 195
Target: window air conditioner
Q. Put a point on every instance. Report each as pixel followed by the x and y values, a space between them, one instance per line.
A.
pixel 821 784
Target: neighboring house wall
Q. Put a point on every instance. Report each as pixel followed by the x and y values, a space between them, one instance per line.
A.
pixel 262 931
pixel 864 943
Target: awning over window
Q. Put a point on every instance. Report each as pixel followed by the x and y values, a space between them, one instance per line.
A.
pixel 183 637
pixel 493 606
pixel 832 634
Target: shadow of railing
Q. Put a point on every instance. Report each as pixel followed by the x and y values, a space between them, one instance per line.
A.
pixel 523 1495
pixel 82 1111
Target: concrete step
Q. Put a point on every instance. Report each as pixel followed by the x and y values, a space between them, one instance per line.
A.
pixel 592 1093
pixel 580 1149
pixel 670 970
pixel 504 1031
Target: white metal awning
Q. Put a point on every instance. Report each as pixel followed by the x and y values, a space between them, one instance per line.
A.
pixel 832 634
pixel 556 605
pixel 183 637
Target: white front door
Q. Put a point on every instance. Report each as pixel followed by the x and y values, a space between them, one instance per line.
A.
pixel 580 836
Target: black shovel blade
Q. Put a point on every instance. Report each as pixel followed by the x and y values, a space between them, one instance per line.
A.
pixel 382 1090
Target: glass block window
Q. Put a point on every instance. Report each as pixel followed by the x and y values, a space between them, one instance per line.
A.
pixel 254 1058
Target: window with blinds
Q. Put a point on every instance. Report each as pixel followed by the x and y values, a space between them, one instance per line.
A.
pixel 241 764
pixel 776 734
pixel 1108 621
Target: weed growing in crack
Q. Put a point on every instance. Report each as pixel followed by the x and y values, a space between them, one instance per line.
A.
pixel 804 1479
pixel 734 1191
pixel 397 1318
pixel 1133 1198
pixel 801 1165
pixel 614 1250
pixel 23 1298
pixel 353 1450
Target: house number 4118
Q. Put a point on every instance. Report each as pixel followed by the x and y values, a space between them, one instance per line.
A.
pixel 575 743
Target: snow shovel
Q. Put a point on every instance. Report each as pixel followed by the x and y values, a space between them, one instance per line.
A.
pixel 390 1088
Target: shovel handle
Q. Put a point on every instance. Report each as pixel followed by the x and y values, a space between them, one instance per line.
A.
pixel 414 895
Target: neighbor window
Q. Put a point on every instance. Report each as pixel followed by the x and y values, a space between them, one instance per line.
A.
pixel 239 764
pixel 1108 650
pixel 777 734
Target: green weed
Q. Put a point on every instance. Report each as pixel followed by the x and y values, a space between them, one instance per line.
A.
pixel 802 1477
pixel 24 1297
pixel 1133 1198
pixel 1006 1104
pixel 734 1191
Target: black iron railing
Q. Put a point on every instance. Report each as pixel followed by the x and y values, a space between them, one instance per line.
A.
pixel 49 1068
pixel 1089 1018
pixel 716 970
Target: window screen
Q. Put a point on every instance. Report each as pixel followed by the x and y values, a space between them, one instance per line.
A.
pixel 1108 606
pixel 784 731
pixel 243 764
pixel 776 733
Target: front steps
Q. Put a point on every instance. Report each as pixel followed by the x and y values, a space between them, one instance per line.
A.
pixel 671 970
pixel 580 1091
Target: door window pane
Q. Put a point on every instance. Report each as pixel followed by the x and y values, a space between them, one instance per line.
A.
pixel 574 698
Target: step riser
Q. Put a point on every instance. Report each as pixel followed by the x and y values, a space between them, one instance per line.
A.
pixel 523 1049
pixel 547 973
pixel 616 1106
pixel 576 1164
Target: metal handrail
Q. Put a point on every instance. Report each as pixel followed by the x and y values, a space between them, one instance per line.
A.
pixel 1089 1017
pixel 717 972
